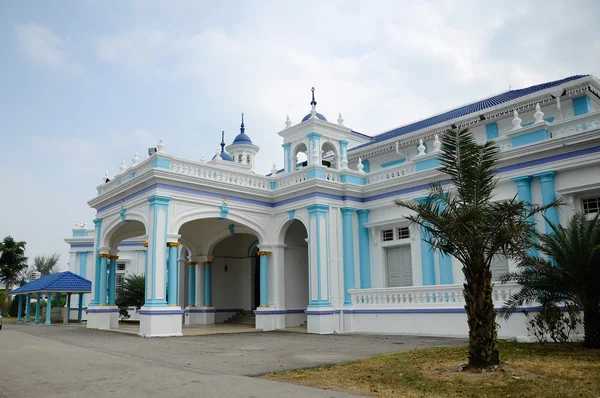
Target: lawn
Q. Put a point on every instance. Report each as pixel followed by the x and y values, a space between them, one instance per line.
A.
pixel 527 370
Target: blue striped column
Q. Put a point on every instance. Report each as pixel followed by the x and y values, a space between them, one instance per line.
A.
pixel 348 247
pixel 102 286
pixel 48 309
pixel 445 261
pixel 264 278
pixel 83 268
pixel 80 308
pixel 28 308
pixel 98 225
pixel 207 284
pixel 157 252
pixel 173 277
pixel 548 196
pixel 524 194
pixel 20 309
pixel 318 255
pixel 38 308
pixel 427 262
pixel 112 285
pixel 192 284
pixel 68 307
pixel 363 249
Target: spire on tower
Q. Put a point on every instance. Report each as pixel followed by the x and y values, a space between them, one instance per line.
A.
pixel 242 129
pixel 313 102
pixel 222 140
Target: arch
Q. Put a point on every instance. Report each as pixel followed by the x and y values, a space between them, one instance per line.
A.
pixel 208 248
pixel 296 291
pixel 285 224
pixel 329 148
pixel 128 229
pixel 115 223
pixel 300 147
pixel 199 214
pixel 191 248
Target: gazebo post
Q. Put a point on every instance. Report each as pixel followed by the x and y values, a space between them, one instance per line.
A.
pixel 79 310
pixel 19 311
pixel 68 307
pixel 28 308
pixel 49 309
pixel 38 308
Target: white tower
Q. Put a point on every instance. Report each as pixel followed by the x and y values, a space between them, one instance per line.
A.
pixel 242 149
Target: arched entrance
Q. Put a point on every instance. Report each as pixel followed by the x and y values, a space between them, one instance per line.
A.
pixel 296 274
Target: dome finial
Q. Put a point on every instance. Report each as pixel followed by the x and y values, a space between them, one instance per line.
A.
pixel 222 140
pixel 313 102
pixel 242 129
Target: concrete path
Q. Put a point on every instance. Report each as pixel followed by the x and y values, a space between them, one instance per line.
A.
pixel 71 361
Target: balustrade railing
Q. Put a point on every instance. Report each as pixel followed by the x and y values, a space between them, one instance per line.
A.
pixel 423 296
pixel 211 173
pixel 390 173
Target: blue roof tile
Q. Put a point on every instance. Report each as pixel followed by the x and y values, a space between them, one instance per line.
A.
pixel 466 110
pixel 61 282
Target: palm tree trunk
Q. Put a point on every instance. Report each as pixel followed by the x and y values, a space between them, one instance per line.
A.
pixel 481 318
pixel 591 326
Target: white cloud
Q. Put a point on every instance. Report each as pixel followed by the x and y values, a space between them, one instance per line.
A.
pixel 41 45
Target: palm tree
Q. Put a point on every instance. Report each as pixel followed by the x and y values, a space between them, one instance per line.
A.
pixel 45 265
pixel 463 221
pixel 131 294
pixel 12 264
pixel 569 272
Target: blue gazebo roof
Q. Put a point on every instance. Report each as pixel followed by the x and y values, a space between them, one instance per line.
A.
pixel 64 282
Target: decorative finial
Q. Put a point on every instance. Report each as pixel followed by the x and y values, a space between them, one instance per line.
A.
pixel 360 166
pixel 273 170
pixel 218 154
pixel 123 167
pixel 340 120
pixel 202 160
pixel 538 115
pixel 313 102
pixel 135 160
pixel 223 140
pixel 288 122
pixel 516 121
pixel 105 179
pixel 242 129
pixel 84 224
pixel 421 148
pixel 161 146
pixel 77 225
pixel 436 144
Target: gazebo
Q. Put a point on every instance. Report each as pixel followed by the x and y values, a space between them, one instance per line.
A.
pixel 59 284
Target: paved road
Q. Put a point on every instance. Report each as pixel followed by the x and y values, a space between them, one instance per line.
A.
pixel 70 361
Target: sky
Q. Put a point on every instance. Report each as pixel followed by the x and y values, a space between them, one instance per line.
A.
pixel 86 84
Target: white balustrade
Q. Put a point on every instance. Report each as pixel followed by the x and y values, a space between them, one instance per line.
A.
pixel 578 125
pixel 213 173
pixel 448 296
pixel 290 180
pixel 390 173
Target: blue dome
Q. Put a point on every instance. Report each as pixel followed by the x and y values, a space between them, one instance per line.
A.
pixel 242 138
pixel 225 156
pixel 318 115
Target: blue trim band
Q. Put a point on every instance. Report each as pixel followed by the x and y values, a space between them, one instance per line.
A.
pixel 168 312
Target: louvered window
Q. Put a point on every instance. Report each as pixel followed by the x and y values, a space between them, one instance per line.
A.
pixel 403 233
pixel 387 235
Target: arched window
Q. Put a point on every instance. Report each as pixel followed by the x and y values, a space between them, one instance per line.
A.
pixel 247 159
pixel 240 158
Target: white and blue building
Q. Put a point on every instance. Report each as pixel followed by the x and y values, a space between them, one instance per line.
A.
pixel 320 241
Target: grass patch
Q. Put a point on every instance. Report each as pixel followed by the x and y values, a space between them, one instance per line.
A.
pixel 527 370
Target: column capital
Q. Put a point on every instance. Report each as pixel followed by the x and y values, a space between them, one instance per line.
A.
pixel 173 237
pixel 112 257
pixel 159 200
pixel 97 221
pixel 522 180
pixel 545 176
pixel 207 262
pixel 263 253
pixel 192 263
pixel 104 255
pixel 363 212
pixel 173 244
pixel 347 210
pixel 104 250
pixel 317 208
pixel 145 244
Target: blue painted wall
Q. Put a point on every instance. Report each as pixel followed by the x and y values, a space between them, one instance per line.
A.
pixel 582 105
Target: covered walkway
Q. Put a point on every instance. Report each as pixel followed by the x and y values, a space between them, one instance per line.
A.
pixel 55 284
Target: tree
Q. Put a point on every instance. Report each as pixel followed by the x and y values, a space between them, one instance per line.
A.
pixel 45 265
pixel 569 272
pixel 131 294
pixel 12 264
pixel 463 221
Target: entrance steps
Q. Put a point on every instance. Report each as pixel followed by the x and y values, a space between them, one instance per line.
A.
pixel 243 318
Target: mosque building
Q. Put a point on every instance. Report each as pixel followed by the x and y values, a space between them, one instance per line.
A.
pixel 320 243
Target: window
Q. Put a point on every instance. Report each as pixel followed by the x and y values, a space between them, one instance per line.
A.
pixel 591 205
pixel 239 158
pixel 387 235
pixel 119 281
pixel 403 233
pixel 120 267
pixel 247 159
